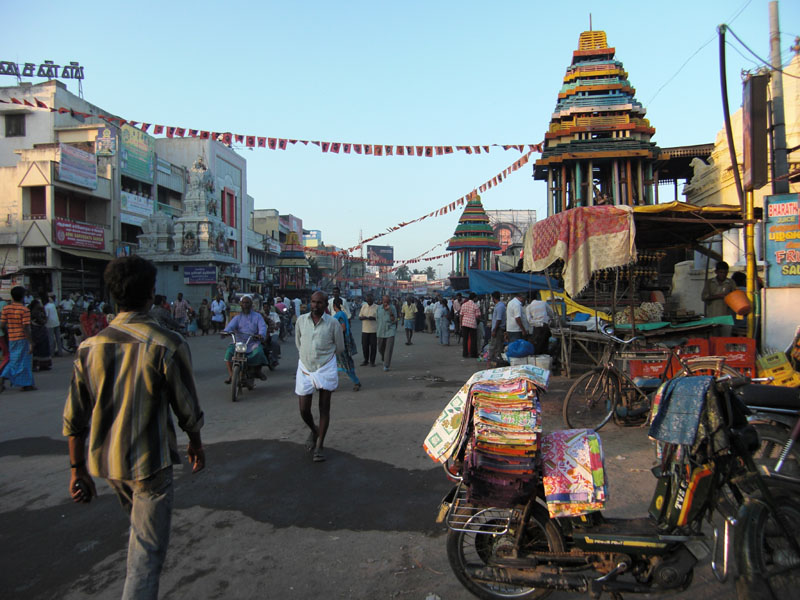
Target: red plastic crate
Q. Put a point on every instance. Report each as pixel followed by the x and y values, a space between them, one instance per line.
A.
pixel 739 352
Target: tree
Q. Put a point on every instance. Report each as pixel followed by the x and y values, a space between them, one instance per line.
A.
pixel 430 273
pixel 403 273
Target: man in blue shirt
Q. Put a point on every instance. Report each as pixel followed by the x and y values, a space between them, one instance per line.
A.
pixel 498 327
pixel 248 323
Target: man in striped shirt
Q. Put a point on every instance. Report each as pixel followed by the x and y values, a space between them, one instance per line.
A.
pixel 16 321
pixel 125 380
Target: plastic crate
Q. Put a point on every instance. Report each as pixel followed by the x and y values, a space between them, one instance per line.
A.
pixel 772 360
pixel 779 372
pixel 738 351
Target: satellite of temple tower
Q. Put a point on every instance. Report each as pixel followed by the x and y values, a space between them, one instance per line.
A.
pixel 598 148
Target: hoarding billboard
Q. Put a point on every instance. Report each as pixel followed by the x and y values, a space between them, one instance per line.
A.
pixel 782 240
pixel 79 235
pixel 380 256
pixel 137 154
pixel 77 167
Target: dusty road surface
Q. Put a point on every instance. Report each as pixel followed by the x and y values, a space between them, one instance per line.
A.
pixel 263 520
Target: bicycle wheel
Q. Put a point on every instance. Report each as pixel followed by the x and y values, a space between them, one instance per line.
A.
pixel 236 377
pixel 591 400
pixel 703 365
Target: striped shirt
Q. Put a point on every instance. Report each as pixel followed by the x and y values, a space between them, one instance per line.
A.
pixel 124 382
pixel 16 317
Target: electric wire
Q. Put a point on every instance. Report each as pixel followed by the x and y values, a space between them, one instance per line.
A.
pixel 769 65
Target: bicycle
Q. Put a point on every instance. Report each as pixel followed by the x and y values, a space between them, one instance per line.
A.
pixel 607 391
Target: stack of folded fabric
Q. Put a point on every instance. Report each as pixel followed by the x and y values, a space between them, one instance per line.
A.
pixel 501 458
pixel 572 470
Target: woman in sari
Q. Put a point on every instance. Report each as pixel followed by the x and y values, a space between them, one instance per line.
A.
pixel 42 353
pixel 345 359
pixel 204 316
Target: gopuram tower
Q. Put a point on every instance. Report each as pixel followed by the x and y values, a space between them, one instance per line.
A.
pixel 598 148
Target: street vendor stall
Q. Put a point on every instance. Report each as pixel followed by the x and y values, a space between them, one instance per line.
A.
pixel 616 250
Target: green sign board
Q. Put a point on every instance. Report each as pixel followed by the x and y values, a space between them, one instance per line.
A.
pixel 137 154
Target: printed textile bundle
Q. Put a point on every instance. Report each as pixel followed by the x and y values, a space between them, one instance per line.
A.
pixel 501 459
pixel 573 475
pixel 446 436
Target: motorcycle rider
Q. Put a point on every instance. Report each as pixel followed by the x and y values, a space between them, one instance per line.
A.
pixel 247 323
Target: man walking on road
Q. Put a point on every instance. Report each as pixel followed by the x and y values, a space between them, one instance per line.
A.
pixel 387 330
pixel 409 315
pixel 498 327
pixel 470 318
pixel 369 330
pixel 124 381
pixel 319 339
pixel 16 321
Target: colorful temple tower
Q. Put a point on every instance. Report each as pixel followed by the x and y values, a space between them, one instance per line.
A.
pixel 474 242
pixel 598 148
pixel 292 265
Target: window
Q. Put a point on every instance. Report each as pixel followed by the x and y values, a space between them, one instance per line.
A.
pixel 38 204
pixel 15 125
pixel 36 256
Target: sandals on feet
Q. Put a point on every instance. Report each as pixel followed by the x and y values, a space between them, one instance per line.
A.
pixel 356 387
pixel 228 381
pixel 311 441
pixel 318 455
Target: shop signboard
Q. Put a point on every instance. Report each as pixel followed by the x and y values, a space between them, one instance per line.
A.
pixel 380 256
pixel 782 240
pixel 199 275
pixel 77 167
pixel 78 235
pixel 135 204
pixel 137 154
pixel 105 144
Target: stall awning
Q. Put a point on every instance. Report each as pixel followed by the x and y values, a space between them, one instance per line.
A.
pixel 93 254
pixel 486 282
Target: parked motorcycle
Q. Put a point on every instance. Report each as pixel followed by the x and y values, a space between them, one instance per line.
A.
pixel 774 415
pixel 519 550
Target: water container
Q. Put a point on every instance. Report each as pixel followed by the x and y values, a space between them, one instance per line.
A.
pixel 545 361
pixel 737 301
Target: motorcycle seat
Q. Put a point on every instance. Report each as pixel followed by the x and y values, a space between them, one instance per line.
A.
pixel 770 396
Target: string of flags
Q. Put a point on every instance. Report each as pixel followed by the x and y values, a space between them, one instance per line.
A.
pixel 276 143
pixel 447 208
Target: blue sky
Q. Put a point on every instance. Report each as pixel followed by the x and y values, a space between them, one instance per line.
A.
pixel 411 73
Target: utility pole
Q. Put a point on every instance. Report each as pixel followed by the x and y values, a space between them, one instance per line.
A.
pixel 780 164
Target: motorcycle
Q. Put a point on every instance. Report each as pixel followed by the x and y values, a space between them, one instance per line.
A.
pixel 774 412
pixel 286 323
pixel 518 545
pixel 242 374
pixel 70 331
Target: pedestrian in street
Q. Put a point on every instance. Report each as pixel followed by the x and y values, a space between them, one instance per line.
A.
pixel 16 321
pixel 345 305
pixel 53 325
pixel 3 343
pixel 42 351
pixel 345 359
pixel 318 337
pixel 387 330
pixel 440 311
pixel 430 319
pixel 419 317
pixel 470 319
pixel 539 315
pixel 180 311
pixel 204 316
pixel 368 315
pixel 498 330
pixel 125 379
pixel 455 316
pixel 409 313
pixel 247 327
pixel 218 308
pixel 516 323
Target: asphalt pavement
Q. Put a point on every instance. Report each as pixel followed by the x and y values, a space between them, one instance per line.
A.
pixel 263 520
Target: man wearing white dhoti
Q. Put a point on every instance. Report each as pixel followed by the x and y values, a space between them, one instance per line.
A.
pixel 318 337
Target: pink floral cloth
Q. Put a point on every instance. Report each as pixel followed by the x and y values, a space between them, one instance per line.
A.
pixel 573 475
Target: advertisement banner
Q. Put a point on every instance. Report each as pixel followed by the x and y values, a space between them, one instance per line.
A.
pixel 105 144
pixel 78 235
pixel 130 219
pixel 199 275
pixel 137 154
pixel 77 167
pixel 782 240
pixel 137 205
pixel 380 256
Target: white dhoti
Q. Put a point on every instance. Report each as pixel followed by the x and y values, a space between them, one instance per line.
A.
pixel 324 378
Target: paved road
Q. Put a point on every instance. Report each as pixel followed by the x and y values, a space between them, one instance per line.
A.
pixel 263 520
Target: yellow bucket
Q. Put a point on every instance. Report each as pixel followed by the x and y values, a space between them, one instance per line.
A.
pixel 737 301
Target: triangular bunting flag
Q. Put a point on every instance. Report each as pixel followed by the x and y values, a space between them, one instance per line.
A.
pixel 158 130
pixel 448 149
pixel 476 149
pixel 262 142
pixel 144 127
pixel 325 146
pixel 282 144
pixel 40 104
pixel 193 133
pixel 486 149
pixel 335 147
pixel 272 143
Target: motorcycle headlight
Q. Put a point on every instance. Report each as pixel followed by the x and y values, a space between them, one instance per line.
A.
pixel 241 347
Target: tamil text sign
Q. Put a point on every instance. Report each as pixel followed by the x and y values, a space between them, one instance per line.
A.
pixel 199 275
pixel 79 235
